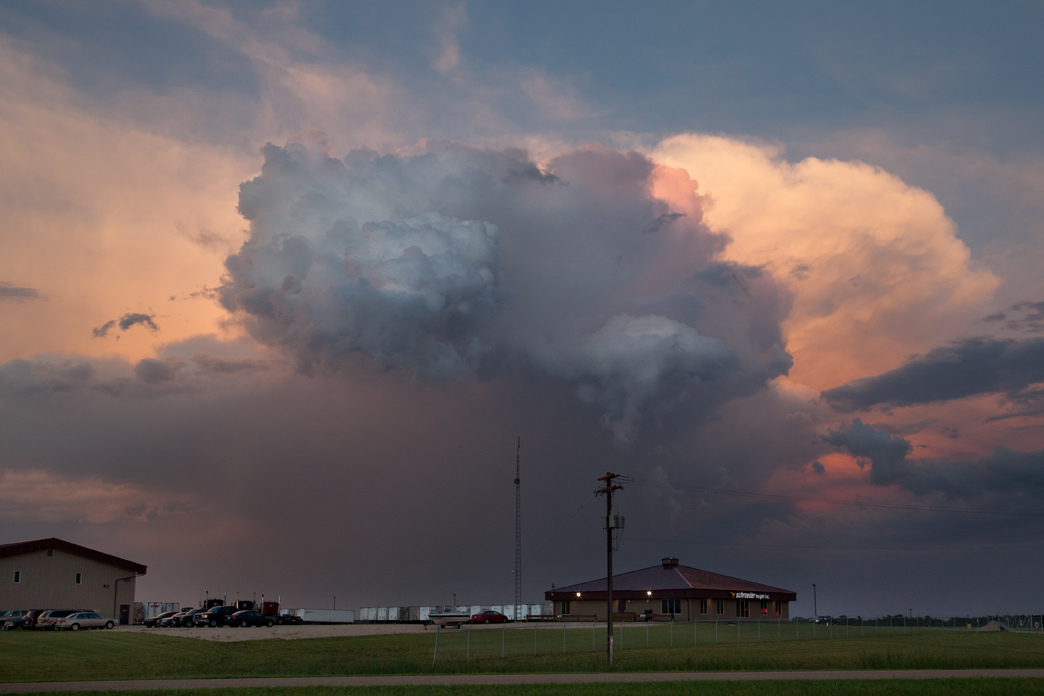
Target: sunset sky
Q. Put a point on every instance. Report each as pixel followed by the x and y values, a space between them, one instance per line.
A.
pixel 282 283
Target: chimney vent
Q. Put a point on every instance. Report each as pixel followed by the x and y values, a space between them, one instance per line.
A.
pixel 669 561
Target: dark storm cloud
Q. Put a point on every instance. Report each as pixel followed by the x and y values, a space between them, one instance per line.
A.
pixel 17 294
pixel 153 371
pixel 34 377
pixel 661 222
pixel 449 263
pixel 215 365
pixel 965 368
pixel 1004 471
pixel 125 322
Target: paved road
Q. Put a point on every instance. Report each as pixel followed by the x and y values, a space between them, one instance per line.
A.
pixel 137 685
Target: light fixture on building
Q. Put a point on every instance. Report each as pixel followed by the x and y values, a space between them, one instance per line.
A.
pixel 649 592
pixel 577 594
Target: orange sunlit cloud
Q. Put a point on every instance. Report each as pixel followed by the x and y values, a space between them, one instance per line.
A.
pixel 104 219
pixel 874 265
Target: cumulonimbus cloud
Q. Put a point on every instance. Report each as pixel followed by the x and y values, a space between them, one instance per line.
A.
pixel 432 259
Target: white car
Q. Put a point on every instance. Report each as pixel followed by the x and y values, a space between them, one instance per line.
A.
pixel 84 619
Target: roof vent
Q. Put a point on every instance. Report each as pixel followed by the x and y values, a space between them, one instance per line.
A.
pixel 669 561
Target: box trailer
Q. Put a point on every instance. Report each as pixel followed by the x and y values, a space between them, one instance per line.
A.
pixel 329 616
pixel 382 613
pixel 417 614
pixel 148 610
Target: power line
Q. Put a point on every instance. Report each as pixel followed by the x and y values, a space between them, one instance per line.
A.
pixel 855 503
pixel 984 547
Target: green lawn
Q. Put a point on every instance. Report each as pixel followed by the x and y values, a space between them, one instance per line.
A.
pixel 100 655
pixel 904 687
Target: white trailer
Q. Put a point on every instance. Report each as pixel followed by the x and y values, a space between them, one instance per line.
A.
pixel 328 616
pixel 382 613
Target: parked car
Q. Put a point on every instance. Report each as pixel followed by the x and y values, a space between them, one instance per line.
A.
pixel 27 620
pixel 249 617
pixel 83 619
pixel 289 620
pixel 11 616
pixel 153 621
pixel 48 618
pixel 182 618
pixel 489 616
pixel 215 616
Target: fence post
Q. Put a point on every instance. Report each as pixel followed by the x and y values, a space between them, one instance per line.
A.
pixel 672 632
pixel 534 638
pixel 715 630
pixel 503 637
pixel 647 633
pixel 563 636
pixel 436 653
pixel 759 628
pixel 468 653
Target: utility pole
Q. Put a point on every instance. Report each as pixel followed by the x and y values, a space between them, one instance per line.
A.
pixel 815 605
pixel 610 525
pixel 518 530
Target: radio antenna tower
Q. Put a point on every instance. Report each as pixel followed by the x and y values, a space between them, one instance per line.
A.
pixel 518 531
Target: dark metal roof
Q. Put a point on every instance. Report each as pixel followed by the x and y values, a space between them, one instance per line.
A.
pixel 20 547
pixel 672 579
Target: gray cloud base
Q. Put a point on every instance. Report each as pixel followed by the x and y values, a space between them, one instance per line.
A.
pixel 1005 471
pixel 965 368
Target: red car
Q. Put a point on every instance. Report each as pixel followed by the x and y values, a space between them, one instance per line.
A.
pixel 489 616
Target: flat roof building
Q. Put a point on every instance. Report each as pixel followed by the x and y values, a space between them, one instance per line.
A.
pixel 689 594
pixel 56 574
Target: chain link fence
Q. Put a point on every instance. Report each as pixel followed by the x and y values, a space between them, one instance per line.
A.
pixel 483 642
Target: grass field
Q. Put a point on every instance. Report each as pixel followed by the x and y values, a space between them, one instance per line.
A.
pixel 103 655
pixel 934 687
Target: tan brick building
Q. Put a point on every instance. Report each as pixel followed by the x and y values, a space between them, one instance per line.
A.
pixel 689 594
pixel 56 574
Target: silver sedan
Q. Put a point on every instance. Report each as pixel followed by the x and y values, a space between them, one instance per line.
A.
pixel 84 619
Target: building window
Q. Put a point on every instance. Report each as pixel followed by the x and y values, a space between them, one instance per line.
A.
pixel 703 606
pixel 50 552
pixel 79 578
pixel 18 576
pixel 721 606
pixel 764 606
pixel 779 608
pixel 670 606
pixel 742 609
pixel 565 606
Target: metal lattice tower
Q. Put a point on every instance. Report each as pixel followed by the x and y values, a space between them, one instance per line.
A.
pixel 518 531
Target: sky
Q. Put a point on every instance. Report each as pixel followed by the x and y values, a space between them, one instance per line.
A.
pixel 284 284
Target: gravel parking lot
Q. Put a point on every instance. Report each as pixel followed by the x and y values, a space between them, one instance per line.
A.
pixel 232 635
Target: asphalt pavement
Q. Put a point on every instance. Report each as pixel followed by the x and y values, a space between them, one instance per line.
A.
pixel 464 679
